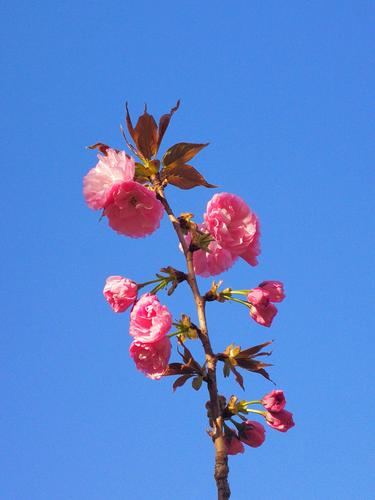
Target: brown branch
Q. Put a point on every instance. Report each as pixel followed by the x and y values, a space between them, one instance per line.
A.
pixel 221 458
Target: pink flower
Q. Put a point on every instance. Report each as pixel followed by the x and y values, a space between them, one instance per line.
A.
pixel 275 290
pixel 233 225
pixel 261 310
pixel 252 433
pixel 112 168
pixel 274 401
pixel 232 443
pixel 133 210
pixel 281 421
pixel 216 261
pixel 120 293
pixel 151 358
pixel 149 320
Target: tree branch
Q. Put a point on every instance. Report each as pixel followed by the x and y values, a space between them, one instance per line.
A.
pixel 221 458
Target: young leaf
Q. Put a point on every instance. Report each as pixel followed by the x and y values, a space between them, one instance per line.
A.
pixel 178 369
pixel 251 351
pixel 144 135
pixel 226 368
pixel 101 147
pixel 164 122
pixel 196 383
pixel 238 377
pixel 185 177
pixel 180 381
pixel 146 132
pixel 181 153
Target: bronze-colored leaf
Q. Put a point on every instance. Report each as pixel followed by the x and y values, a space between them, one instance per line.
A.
pixel 164 122
pixel 196 383
pixel 255 367
pixel 146 135
pixel 180 381
pixel 246 353
pixel 226 368
pixel 189 360
pixel 181 152
pixel 101 147
pixel 178 369
pixel 238 377
pixel 129 124
pixel 251 364
pixel 130 146
pixel 185 177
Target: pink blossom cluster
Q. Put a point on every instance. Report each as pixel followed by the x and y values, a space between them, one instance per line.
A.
pixel 235 229
pixel 131 208
pixel 276 416
pixel 262 299
pixel 149 324
pixel 251 432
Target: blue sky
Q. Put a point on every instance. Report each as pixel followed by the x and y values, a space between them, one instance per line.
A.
pixel 284 93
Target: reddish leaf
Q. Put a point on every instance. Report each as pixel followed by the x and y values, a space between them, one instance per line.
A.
pixel 180 381
pixel 129 124
pixel 164 122
pixel 189 360
pixel 238 376
pixel 226 368
pixel 146 133
pixel 181 153
pixel 101 147
pixel 251 364
pixel 246 353
pixel 185 177
pixel 178 369
pixel 196 383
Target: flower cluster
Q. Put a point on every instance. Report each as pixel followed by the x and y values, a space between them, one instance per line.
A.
pixel 235 229
pixel 251 432
pixel 132 209
pixel 262 298
pixel 276 417
pixel 149 324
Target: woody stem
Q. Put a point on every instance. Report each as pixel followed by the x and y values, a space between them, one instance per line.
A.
pixel 221 458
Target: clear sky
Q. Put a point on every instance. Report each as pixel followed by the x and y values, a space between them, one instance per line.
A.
pixel 284 92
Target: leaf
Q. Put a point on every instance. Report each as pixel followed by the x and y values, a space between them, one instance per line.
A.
pixel 255 366
pixel 189 360
pixel 196 383
pixel 238 377
pixel 145 133
pixel 178 369
pixel 180 381
pixel 181 153
pixel 246 353
pixel 164 122
pixel 101 147
pixel 185 177
pixel 226 369
pixel 251 364
pixel 129 124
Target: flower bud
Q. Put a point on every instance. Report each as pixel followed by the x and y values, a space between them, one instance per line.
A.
pixel 252 433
